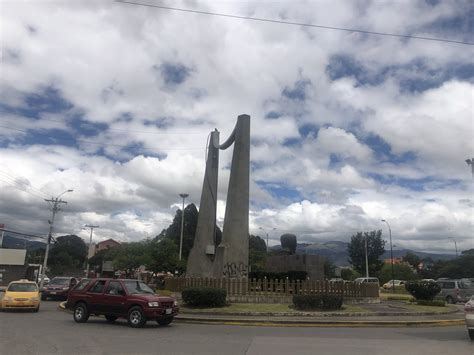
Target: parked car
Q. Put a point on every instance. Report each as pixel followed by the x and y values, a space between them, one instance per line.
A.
pixel 21 294
pixel 363 280
pixel 116 298
pixel 469 309
pixel 58 287
pixel 454 291
pixel 391 283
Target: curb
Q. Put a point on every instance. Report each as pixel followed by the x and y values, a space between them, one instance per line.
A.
pixel 319 323
pixel 308 323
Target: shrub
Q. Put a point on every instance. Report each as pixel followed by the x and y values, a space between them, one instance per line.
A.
pixel 204 296
pixel 435 303
pixel 322 302
pixel 423 290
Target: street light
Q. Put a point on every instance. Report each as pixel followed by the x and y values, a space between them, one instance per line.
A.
pixel 471 163
pixel 391 254
pixel 455 245
pixel 268 247
pixel 55 201
pixel 183 196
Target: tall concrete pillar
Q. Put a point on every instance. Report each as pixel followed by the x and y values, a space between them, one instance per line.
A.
pixel 201 256
pixel 232 255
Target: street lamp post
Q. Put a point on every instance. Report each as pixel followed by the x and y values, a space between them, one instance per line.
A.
pixel 455 245
pixel 183 196
pixel 266 233
pixel 391 254
pixel 55 201
pixel 470 162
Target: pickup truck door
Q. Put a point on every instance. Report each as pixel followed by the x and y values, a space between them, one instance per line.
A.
pixel 115 298
pixel 95 296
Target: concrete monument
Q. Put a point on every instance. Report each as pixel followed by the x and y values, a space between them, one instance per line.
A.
pixel 230 257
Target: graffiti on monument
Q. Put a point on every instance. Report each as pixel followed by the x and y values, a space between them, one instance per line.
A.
pixel 235 270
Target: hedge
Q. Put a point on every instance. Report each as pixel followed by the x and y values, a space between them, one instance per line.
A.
pixel 320 302
pixel 423 290
pixel 204 296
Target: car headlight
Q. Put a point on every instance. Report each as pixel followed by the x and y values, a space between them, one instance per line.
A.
pixel 175 303
pixel 65 288
pixel 35 298
pixel 153 304
pixel 7 298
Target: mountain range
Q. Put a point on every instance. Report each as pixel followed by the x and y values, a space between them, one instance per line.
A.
pixel 336 251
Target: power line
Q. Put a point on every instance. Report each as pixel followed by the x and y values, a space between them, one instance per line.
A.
pixel 95 143
pixel 16 180
pixel 297 23
pixel 15 185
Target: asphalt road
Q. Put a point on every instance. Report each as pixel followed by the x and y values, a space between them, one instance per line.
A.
pixel 54 332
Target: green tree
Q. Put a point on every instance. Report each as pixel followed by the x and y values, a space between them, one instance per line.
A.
pixel 412 259
pixel 400 272
pixel 162 256
pixel 349 274
pixel 329 269
pixel 460 267
pixel 130 256
pixel 173 232
pixel 375 249
pixel 257 253
pixel 68 252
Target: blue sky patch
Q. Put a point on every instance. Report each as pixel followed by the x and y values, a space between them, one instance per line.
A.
pixel 281 191
pixel 174 73
pixel 298 91
pixel 87 128
pixel 383 150
pixel 424 184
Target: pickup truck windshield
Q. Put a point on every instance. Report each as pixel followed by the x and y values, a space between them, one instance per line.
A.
pixel 138 287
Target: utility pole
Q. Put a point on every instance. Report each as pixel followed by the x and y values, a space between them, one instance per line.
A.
pixel 183 196
pixel 366 260
pixel 55 208
pixel 90 245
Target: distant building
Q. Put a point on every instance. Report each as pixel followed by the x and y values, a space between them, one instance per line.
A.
pixel 106 244
pixel 312 264
pixel 395 261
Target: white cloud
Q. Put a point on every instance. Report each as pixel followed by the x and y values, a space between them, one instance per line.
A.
pixel 312 168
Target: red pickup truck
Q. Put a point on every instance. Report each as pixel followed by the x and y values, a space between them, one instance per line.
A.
pixel 113 298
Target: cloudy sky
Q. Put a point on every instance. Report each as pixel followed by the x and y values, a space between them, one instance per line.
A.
pixel 116 101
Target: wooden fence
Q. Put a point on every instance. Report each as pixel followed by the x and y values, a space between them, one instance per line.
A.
pixel 266 287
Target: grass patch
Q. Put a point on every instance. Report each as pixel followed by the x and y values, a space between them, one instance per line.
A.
pixel 264 308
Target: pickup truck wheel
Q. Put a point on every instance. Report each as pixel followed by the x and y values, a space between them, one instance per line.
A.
pixel 111 319
pixel 449 300
pixel 136 317
pixel 471 333
pixel 81 313
pixel 164 321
